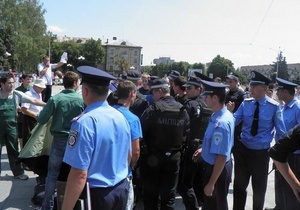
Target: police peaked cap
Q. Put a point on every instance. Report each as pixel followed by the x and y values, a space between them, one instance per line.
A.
pixel 173 74
pixel 284 84
pixel 202 76
pixel 133 74
pixel 213 88
pixel 257 78
pixel 232 77
pixel 92 75
pixel 158 83
pixel 196 81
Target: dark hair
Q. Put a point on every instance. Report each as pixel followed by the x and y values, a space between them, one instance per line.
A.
pixel 291 91
pixel 26 75
pixel 221 96
pixel 124 89
pixel 69 79
pixel 97 90
pixel 180 81
pixel 6 77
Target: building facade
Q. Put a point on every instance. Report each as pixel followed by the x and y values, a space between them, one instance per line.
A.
pixel 118 51
pixel 164 60
pixel 293 71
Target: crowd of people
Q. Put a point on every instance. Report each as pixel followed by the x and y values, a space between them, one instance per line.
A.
pixel 143 137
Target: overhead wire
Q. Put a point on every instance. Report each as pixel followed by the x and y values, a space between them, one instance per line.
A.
pixel 258 29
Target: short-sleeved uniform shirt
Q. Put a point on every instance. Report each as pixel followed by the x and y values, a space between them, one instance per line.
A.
pixel 270 117
pixel 99 142
pixel 219 136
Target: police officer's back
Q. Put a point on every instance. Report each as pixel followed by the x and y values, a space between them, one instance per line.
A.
pixel 164 126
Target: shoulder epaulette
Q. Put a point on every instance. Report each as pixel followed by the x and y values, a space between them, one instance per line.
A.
pixel 248 99
pixel 77 118
pixel 272 101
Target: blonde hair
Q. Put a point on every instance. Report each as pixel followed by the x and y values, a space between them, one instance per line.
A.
pixel 145 76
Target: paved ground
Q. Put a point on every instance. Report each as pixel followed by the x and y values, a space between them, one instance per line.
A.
pixel 16 194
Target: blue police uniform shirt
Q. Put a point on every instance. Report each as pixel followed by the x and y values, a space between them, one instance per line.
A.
pixel 99 142
pixel 134 124
pixel 270 117
pixel 291 115
pixel 219 136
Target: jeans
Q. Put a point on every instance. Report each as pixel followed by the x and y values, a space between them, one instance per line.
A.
pixel 55 161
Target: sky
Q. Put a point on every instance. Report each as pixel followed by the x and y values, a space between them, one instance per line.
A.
pixel 247 32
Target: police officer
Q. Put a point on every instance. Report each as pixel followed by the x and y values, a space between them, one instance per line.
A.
pixel 190 182
pixel 171 76
pixel 234 95
pixel 216 148
pixel 98 148
pixel 284 196
pixel 180 90
pixel 260 116
pixel 164 126
pixel 280 153
pixel 140 103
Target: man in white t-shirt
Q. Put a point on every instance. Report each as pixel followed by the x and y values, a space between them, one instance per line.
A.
pixel 31 111
pixel 45 73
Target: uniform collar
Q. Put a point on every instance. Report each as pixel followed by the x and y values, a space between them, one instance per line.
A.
pixel 291 104
pixel 95 105
pixel 219 113
pixel 261 101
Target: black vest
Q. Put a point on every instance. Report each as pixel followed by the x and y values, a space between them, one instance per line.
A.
pixel 167 127
pixel 198 123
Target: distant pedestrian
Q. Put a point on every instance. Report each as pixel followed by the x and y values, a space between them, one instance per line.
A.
pixel 45 72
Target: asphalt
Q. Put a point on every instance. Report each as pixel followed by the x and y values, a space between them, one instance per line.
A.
pixel 17 194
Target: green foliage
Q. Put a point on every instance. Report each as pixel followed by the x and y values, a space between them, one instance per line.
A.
pixel 93 52
pixel 23 20
pixel 280 68
pixel 220 67
pixel 242 78
pixel 123 65
pixel 199 66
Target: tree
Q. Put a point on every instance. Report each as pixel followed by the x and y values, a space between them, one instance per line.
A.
pixel 242 78
pixel 24 20
pixel 93 52
pixel 220 67
pixel 123 65
pixel 280 68
pixel 199 66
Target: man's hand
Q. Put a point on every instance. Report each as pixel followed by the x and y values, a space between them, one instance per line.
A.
pixel 230 106
pixel 196 155
pixel 209 189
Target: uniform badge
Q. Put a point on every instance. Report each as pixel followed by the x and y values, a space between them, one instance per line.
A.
pixel 72 138
pixel 217 138
pixel 279 114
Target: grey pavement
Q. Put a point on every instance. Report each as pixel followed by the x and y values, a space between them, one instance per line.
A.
pixel 16 194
